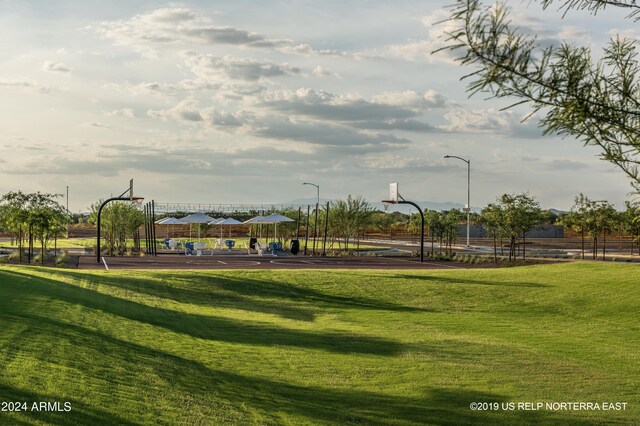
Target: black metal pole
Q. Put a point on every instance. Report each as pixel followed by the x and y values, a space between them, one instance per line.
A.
pixel 153 227
pixel 299 216
pixel 146 228
pixel 421 227
pixel 315 228
pixel 326 229
pixel 306 230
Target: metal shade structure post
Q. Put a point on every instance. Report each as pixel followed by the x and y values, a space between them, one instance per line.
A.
pixel 468 206
pixel 315 223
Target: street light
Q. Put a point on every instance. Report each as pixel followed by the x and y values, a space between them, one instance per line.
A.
pixel 468 206
pixel 315 223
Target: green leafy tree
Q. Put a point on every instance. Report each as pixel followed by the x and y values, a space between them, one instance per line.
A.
pixel 32 216
pixel 120 222
pixel 14 216
pixel 577 218
pixel 630 220
pixel 383 222
pixel 433 221
pixel 595 101
pixel 518 214
pixel 349 219
pixel 491 220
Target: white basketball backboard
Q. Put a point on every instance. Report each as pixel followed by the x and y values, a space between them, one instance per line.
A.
pixel 393 192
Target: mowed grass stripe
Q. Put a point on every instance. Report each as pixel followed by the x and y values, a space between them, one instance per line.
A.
pixel 319 347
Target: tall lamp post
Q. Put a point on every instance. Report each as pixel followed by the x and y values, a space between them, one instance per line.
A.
pixel 315 223
pixel 468 206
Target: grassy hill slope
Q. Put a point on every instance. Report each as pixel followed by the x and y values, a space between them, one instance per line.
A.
pixel 297 347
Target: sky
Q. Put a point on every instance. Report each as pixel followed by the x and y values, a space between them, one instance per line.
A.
pixel 243 101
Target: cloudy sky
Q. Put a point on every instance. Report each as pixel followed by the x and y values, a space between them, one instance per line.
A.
pixel 238 102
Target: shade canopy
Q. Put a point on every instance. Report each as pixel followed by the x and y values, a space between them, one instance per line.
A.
pixel 276 218
pixel 170 221
pixel 254 220
pixel 197 218
pixel 228 221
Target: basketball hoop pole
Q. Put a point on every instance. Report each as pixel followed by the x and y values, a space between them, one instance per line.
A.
pixel 403 201
pixel 104 203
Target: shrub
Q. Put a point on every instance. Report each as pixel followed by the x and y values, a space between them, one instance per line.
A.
pixel 63 259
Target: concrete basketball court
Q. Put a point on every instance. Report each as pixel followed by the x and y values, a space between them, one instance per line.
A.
pixel 173 261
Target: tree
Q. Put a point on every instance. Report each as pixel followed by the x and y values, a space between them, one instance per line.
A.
pixel 491 218
pixel 576 219
pixel 350 218
pixel 631 224
pixel 120 222
pixel 46 219
pixel 597 102
pixel 28 216
pixel 517 214
pixel 383 222
pixel 14 216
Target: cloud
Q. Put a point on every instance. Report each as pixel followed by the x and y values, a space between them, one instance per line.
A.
pixel 324 134
pixel 327 106
pixel 56 67
pixel 98 125
pixel 25 85
pixel 185 112
pixel 233 68
pixel 390 111
pixel 574 34
pixel 181 26
pixel 123 112
pixel 491 121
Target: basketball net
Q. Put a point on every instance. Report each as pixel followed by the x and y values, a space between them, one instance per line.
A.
pixel 387 203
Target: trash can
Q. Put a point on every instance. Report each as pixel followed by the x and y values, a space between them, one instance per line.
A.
pixel 295 247
pixel 252 243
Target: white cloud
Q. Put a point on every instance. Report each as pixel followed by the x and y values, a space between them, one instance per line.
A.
pixel 25 85
pixel 491 121
pixel 58 67
pixel 572 33
pixel 185 112
pixel 233 68
pixel 123 112
pixel 182 26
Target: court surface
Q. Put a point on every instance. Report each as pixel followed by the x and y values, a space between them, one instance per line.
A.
pixel 263 262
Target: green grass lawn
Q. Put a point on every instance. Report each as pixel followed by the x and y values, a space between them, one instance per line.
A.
pixel 320 347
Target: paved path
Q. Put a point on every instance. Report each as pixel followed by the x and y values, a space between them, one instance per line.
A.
pixel 262 262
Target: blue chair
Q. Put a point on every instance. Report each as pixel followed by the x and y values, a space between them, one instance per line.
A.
pixel 230 243
pixel 188 248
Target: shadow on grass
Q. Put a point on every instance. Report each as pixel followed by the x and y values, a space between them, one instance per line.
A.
pixel 448 280
pixel 200 326
pixel 244 292
pixel 231 397
pixel 81 413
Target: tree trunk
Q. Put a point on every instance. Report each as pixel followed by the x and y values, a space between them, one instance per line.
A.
pixel 582 232
pixel 20 245
pixel 495 251
pixel 604 244
pixel 524 246
pixel 432 247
